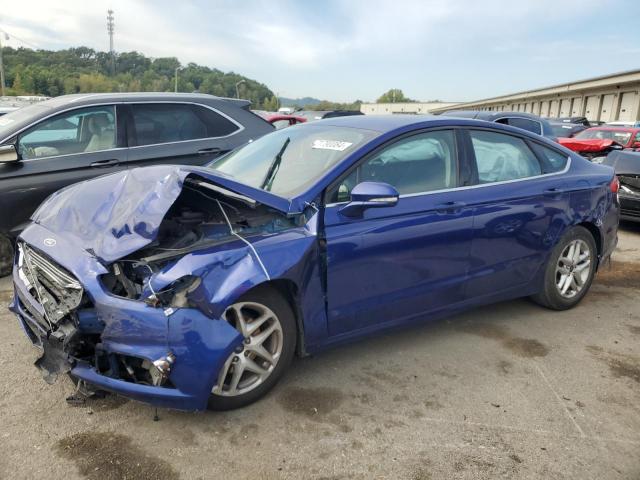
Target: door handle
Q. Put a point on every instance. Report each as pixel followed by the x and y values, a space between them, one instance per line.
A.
pixel 448 207
pixel 106 163
pixel 554 190
pixel 208 151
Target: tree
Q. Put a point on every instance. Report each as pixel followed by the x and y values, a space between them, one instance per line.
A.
pixel 17 86
pixel 82 69
pixel 395 95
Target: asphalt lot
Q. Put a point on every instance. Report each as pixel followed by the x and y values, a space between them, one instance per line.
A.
pixel 506 391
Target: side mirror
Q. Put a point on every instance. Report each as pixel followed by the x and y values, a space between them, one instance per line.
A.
pixel 370 195
pixel 636 145
pixel 8 154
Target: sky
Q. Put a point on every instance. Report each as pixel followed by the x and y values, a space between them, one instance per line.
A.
pixel 451 50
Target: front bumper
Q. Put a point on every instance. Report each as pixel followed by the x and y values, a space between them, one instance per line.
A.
pixel 132 328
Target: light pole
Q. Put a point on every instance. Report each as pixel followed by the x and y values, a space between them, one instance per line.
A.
pixel 2 65
pixel 238 91
pixel 176 79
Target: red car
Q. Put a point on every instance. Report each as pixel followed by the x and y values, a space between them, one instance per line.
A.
pixel 281 121
pixel 599 141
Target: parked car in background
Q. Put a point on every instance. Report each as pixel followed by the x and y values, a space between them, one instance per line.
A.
pixel 282 121
pixel 630 124
pixel 5 110
pixel 54 143
pixel 313 115
pixel 188 286
pixel 600 141
pixel 525 121
pixel 566 130
pixel 575 120
pixel 627 166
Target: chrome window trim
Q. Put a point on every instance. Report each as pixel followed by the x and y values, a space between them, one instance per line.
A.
pixel 115 117
pixel 479 185
pixel 115 104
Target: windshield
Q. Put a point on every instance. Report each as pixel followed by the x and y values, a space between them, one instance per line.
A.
pixel 287 162
pixel 616 135
pixel 8 121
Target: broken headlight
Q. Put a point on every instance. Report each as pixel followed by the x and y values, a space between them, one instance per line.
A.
pixel 175 294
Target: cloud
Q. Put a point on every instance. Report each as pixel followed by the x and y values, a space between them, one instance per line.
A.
pixel 345 49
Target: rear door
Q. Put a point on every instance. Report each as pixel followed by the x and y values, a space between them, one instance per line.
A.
pixel 519 202
pixel 66 148
pixel 177 133
pixel 397 263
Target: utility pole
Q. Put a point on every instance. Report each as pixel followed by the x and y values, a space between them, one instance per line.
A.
pixel 110 25
pixel 1 67
pixel 176 78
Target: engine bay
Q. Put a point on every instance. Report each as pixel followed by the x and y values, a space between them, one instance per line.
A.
pixel 202 216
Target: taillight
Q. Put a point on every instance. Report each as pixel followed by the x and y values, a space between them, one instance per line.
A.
pixel 614 185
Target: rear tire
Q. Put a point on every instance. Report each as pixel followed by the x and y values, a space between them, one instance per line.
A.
pixel 6 255
pixel 267 321
pixel 569 271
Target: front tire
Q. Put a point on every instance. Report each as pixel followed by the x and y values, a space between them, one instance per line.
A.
pixel 266 321
pixel 569 271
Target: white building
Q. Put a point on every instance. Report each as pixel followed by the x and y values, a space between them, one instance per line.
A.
pixel 412 108
pixel 614 97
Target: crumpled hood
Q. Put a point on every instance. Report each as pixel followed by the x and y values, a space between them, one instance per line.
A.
pixel 114 215
pixel 585 144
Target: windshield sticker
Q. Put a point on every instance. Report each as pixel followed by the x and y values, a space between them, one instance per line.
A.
pixel 331 145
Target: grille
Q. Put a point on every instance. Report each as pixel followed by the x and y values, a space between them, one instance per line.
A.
pixel 53 287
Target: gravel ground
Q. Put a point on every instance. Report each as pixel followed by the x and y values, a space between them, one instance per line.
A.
pixel 506 391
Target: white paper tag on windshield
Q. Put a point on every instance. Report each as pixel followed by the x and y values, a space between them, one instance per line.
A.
pixel 331 145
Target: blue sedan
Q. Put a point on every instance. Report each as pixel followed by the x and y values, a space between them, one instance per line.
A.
pixel 189 287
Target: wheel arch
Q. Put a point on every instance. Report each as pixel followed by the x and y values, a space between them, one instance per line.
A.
pixel 595 233
pixel 290 292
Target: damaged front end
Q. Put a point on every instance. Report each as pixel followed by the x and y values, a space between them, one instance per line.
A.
pixel 143 317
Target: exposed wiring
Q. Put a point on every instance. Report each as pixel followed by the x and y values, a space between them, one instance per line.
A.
pixel 244 240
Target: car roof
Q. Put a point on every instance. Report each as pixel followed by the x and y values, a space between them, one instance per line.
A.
pixel 615 129
pixel 88 98
pixel 489 114
pixel 378 123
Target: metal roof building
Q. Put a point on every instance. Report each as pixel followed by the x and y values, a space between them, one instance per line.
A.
pixel 614 97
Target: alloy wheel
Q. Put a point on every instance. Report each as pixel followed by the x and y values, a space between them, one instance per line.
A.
pixel 252 362
pixel 573 268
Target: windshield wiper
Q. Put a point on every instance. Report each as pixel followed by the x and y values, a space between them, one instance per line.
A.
pixel 274 167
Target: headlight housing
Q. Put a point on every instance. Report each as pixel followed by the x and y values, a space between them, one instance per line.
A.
pixel 175 294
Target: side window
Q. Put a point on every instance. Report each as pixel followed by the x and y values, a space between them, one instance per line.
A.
pixel 554 161
pixel 157 123
pixel 420 163
pixel 501 157
pixel 83 130
pixel 523 123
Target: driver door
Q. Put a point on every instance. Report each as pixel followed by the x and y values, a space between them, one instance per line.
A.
pixel 56 152
pixel 395 264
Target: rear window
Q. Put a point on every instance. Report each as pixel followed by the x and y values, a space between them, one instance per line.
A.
pixel 523 123
pixel 553 161
pixel 157 123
